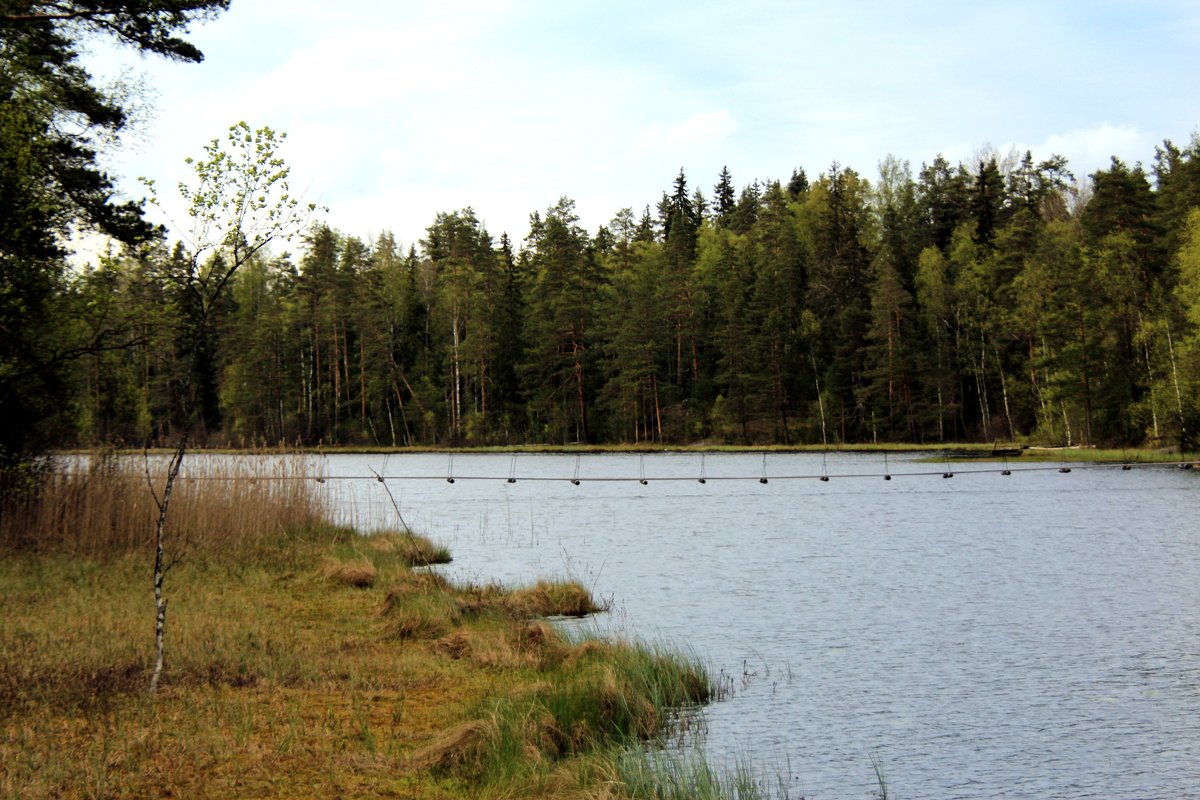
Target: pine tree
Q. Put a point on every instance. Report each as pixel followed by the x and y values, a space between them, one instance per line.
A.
pixel 724 199
pixel 560 360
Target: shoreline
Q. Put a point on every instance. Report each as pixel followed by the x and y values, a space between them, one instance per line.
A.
pixel 957 451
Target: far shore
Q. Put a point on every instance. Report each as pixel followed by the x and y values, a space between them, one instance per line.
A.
pixel 969 451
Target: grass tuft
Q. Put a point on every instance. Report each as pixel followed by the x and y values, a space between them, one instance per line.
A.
pixel 359 574
pixel 688 775
pixel 412 548
pixel 554 599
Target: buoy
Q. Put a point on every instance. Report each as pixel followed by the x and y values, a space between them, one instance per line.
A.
pixel 887 477
pixel 947 474
pixel 1064 470
pixel 825 478
pixel 449 480
pixel 762 480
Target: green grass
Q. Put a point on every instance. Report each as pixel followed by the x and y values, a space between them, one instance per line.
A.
pixel 686 774
pixel 1096 455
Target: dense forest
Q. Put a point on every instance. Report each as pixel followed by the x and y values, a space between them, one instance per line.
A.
pixel 1003 298
pixel 1000 299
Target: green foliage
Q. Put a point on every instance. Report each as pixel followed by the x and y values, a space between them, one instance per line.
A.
pixel 53 122
pixel 956 304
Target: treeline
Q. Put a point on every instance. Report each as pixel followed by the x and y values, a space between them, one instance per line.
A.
pixel 995 300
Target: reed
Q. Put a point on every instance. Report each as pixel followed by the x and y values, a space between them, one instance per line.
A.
pixel 104 505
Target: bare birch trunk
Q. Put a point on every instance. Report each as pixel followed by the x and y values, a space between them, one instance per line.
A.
pixel 1178 393
pixel 160 566
pixel 1004 393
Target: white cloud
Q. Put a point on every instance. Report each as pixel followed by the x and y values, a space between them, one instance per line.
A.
pixel 704 128
pixel 1091 148
pixel 397 111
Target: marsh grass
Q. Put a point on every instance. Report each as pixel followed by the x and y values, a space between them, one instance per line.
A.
pixel 303 659
pixel 592 698
pixel 686 774
pixel 414 549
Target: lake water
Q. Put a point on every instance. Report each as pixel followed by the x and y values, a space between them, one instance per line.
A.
pixel 1029 635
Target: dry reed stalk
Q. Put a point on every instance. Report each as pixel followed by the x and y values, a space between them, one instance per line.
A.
pixel 222 505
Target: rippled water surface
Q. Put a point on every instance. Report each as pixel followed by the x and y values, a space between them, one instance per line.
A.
pixel 1031 635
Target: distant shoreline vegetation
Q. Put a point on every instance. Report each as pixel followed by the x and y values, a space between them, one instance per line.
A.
pixel 997 300
pixel 956 451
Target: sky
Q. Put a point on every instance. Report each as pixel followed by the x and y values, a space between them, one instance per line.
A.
pixel 397 110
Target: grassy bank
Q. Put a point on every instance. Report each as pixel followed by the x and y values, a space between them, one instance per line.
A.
pixel 303 660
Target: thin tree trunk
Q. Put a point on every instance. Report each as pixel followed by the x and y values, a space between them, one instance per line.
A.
pixel 820 400
pixel 160 567
pixel 456 396
pixel 1004 393
pixel 1178 393
pixel 362 377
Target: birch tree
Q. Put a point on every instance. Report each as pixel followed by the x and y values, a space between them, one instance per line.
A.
pixel 238 202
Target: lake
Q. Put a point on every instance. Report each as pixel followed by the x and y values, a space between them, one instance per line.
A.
pixel 1026 635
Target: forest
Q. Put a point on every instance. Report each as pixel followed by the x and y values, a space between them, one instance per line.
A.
pixel 1002 298
pixel 997 300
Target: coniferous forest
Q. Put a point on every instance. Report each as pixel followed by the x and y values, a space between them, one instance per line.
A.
pixel 996 300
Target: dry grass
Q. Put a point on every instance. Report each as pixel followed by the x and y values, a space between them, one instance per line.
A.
pixel 279 681
pixel 360 573
pixel 459 748
pixel 414 549
pixel 553 599
pixel 105 505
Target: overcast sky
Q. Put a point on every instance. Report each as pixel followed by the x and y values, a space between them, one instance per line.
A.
pixel 397 110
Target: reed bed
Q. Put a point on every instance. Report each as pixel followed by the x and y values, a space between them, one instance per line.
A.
pixel 105 505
